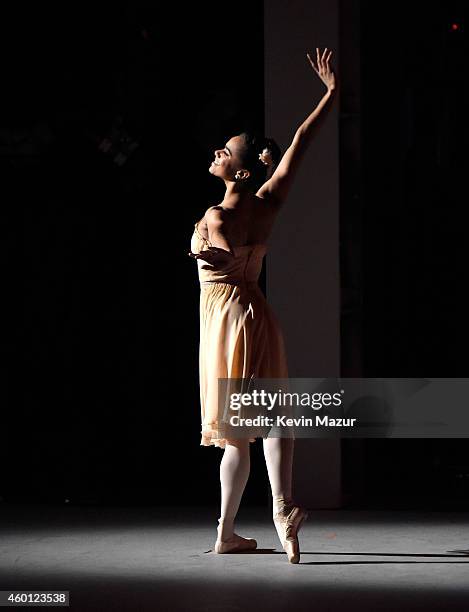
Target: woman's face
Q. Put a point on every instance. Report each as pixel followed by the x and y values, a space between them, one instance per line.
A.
pixel 227 163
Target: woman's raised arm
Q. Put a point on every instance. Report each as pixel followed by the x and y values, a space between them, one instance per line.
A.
pixel 278 185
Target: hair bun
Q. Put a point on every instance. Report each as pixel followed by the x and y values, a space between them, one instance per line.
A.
pixel 261 156
pixel 270 152
pixel 266 157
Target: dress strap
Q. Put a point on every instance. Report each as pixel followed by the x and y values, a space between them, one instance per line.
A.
pixel 196 225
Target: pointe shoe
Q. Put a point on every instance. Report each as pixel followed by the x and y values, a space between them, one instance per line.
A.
pixel 235 544
pixel 287 523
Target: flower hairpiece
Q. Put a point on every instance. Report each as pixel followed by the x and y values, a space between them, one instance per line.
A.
pixel 266 157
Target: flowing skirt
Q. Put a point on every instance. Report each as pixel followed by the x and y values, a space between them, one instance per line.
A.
pixel 240 338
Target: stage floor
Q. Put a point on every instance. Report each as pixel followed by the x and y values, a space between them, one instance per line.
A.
pixel 139 559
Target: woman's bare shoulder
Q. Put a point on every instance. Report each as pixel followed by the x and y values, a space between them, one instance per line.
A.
pixel 211 209
pixel 203 220
pixel 210 214
pixel 216 213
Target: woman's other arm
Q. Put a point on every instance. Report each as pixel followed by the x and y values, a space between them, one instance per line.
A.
pixel 220 252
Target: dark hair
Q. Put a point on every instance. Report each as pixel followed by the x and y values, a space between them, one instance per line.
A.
pixel 254 145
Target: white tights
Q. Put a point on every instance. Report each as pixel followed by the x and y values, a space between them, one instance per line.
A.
pixel 234 473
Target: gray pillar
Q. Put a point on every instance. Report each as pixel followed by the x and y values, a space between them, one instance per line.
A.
pixel 303 284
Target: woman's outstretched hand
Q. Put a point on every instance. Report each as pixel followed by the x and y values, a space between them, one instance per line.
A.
pixel 323 68
pixel 214 256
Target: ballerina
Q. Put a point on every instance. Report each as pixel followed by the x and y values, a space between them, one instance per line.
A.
pixel 240 336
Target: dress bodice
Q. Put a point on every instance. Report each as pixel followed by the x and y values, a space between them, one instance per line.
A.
pixel 245 267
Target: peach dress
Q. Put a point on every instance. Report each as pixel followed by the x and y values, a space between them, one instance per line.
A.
pixel 240 336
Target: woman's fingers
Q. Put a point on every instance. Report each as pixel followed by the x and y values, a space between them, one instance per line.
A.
pixel 311 62
pixel 199 255
pixel 322 60
pixel 214 251
pixel 196 255
pixel 209 254
pixel 323 68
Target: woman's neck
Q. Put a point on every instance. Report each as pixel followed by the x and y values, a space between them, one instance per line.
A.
pixel 235 196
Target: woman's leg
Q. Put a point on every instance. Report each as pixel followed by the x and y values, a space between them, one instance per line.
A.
pixel 278 453
pixel 288 517
pixel 234 474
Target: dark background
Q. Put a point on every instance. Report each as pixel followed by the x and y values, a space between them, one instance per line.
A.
pixel 415 162
pixel 109 117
